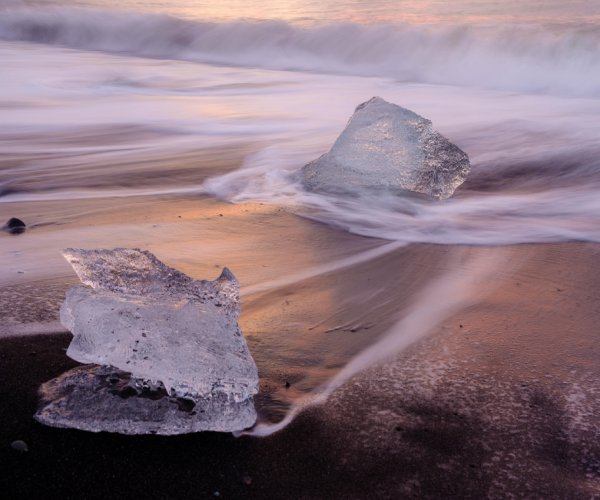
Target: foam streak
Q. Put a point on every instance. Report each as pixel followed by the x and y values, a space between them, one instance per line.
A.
pixel 446 296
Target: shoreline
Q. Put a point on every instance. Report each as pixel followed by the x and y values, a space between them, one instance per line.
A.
pixel 479 408
pixel 498 399
pixel 501 397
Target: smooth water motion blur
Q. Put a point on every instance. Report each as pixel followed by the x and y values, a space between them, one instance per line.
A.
pixel 94 100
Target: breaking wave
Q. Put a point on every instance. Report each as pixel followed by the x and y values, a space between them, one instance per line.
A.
pixel 527 58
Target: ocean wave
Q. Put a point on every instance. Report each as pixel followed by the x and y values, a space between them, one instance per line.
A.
pixel 544 212
pixel 525 58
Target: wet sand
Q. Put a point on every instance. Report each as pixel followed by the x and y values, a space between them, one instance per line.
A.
pixel 501 399
pixel 302 323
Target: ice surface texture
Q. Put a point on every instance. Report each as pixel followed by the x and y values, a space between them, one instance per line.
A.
pixel 102 398
pixel 385 146
pixel 166 332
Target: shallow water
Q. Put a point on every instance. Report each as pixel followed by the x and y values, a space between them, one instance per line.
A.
pixel 85 124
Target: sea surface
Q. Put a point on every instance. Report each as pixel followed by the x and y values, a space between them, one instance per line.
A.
pixel 95 96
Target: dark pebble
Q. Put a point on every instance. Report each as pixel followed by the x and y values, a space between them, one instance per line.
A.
pixel 15 226
pixel 19 445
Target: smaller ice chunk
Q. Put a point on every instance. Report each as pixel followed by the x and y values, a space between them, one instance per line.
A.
pixel 385 146
pixel 163 330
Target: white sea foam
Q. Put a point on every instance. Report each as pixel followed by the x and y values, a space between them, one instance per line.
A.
pixel 529 58
pixel 446 295
pixel 504 216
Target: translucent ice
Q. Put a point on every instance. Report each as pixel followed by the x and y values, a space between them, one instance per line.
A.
pixel 167 334
pixel 385 146
pixel 102 398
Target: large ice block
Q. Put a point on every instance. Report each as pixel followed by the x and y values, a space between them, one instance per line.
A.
pixel 385 146
pixel 166 332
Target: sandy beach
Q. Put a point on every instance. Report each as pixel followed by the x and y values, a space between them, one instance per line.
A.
pixel 501 397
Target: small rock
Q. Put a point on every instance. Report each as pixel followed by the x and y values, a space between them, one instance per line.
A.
pixel 15 226
pixel 19 445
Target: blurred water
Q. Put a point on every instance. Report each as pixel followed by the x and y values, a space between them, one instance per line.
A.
pixel 557 58
pixel 355 10
pixel 95 99
pixel 85 124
